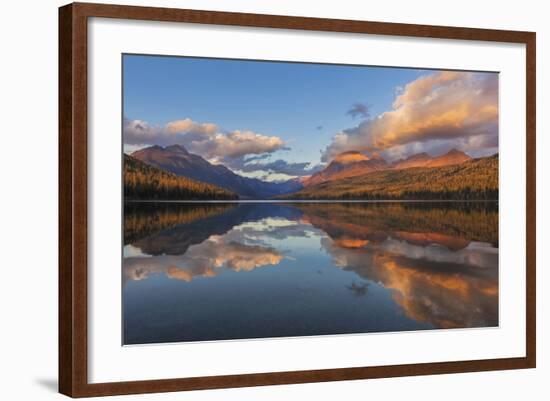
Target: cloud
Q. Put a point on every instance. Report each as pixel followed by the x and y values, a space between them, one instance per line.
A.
pixel 204 139
pixel 435 285
pixel 281 167
pixel 359 110
pixel 475 146
pixel 203 260
pixel 189 126
pixel 243 248
pixel 455 108
pixel 276 228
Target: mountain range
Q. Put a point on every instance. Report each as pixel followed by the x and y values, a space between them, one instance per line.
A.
pixel 347 164
pixel 354 164
pixel 472 179
pixel 350 175
pixel 178 160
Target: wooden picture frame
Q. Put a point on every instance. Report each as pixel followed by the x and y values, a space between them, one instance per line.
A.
pixel 73 198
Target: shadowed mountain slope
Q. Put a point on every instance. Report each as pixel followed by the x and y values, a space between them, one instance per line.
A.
pixel 145 182
pixel 179 161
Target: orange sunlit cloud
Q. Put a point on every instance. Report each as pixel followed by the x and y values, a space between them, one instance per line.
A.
pixel 446 105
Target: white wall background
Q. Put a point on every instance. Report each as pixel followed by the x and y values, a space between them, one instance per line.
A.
pixel 28 208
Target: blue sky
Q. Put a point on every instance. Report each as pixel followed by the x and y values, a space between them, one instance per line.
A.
pixel 304 105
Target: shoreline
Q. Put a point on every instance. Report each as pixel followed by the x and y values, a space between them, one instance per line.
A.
pixel 316 201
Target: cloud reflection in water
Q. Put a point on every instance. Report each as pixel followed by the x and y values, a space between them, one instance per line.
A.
pixel 438 264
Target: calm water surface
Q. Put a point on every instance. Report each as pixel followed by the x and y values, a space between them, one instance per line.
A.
pixel 195 272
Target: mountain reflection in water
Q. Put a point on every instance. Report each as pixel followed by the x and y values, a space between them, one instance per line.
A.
pixel 194 272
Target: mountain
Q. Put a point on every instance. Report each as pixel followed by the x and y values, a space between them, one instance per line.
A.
pixel 354 164
pixel 345 165
pixel 417 160
pixel 472 179
pixel 448 159
pixel 145 182
pixel 179 161
pixel 425 160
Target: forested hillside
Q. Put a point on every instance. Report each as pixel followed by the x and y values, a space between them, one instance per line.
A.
pixel 176 159
pixel 476 179
pixel 145 182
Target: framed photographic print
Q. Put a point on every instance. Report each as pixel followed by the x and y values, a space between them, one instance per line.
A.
pixel 254 199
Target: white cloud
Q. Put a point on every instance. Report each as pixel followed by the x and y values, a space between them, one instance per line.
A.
pixel 204 139
pixel 276 170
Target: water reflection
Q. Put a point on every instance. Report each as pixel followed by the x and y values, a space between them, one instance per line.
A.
pixel 204 259
pixel 224 271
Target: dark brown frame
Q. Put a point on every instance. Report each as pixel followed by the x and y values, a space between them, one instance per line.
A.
pixel 73 289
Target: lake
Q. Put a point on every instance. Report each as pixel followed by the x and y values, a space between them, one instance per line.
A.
pixel 220 271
